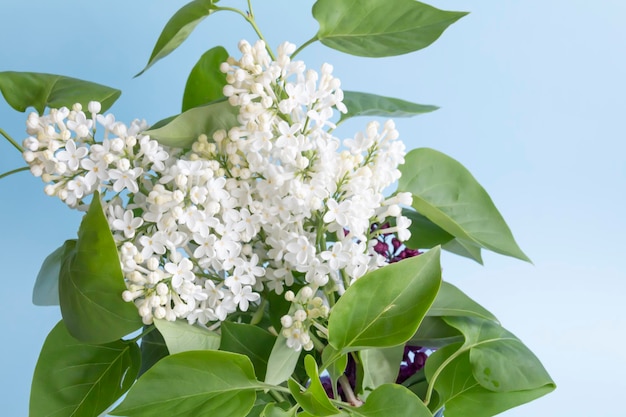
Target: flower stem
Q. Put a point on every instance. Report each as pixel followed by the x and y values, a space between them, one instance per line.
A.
pixel 304 45
pixel 14 171
pixel 11 140
pixel 349 393
pixel 249 17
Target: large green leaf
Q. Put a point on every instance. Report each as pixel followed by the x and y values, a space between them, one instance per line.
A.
pixel 451 301
pixel 206 82
pixel 91 284
pixel 248 340
pixel 385 307
pixel 183 130
pixel 33 89
pixel 314 399
pixel 392 400
pixel 447 194
pixel 180 336
pixel 79 379
pixel 463 395
pixel 153 349
pixel 196 383
pixel 378 28
pixel 46 290
pixel 282 362
pixel 365 104
pixel 178 28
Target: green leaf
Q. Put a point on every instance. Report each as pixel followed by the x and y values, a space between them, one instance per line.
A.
pixel 314 399
pixel 385 307
pixel 206 82
pixel 91 284
pixel 180 336
pixel 380 366
pixel 464 248
pixel 435 333
pixel 46 291
pixel 448 195
pixel 33 89
pixel 281 363
pixel 197 383
pixel 451 301
pixel 335 363
pixel 379 28
pixel 391 400
pixel 365 104
pixel 153 349
pixel 79 379
pixel 178 28
pixel 248 340
pixel 183 130
pixel 424 233
pixel 463 395
pixel 500 361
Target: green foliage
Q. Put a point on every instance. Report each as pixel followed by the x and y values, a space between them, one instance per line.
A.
pixel 178 28
pixel 91 284
pixel 314 399
pixel 179 336
pixel 32 89
pixel 380 28
pixel 380 309
pixel 248 340
pixel 365 104
pixel 490 372
pixel 209 382
pixel 448 195
pixel 73 378
pixel 206 81
pixel 183 130
pixel 46 290
pixel 480 369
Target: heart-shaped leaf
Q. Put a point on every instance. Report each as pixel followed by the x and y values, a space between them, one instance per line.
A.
pixel 73 378
pixel 33 89
pixel 183 130
pixel 178 28
pixel 91 284
pixel 197 383
pixel 365 104
pixel 378 28
pixel 206 82
pixel 448 195
pixel 385 307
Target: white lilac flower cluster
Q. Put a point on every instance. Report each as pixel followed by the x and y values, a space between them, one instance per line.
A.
pixel 274 202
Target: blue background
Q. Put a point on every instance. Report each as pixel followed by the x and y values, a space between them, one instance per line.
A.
pixel 532 97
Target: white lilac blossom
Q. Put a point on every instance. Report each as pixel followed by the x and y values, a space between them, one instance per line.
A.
pixel 274 202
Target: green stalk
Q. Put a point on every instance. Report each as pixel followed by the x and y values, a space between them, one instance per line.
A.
pixel 6 174
pixel 11 140
pixel 249 17
pixel 304 45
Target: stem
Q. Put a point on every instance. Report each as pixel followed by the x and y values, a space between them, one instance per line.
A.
pixel 277 395
pixel 15 171
pixel 304 45
pixel 11 140
pixel 347 390
pixel 250 19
